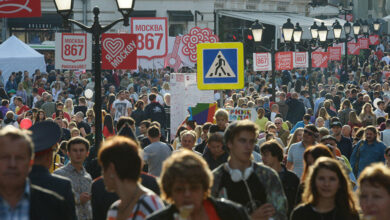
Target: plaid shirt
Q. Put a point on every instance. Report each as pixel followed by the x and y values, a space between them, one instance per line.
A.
pixel 81 182
pixel 21 211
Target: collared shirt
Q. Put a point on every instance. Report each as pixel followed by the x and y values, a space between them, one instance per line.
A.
pixel 81 182
pixel 368 153
pixel 21 210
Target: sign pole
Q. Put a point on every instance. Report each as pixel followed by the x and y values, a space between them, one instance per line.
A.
pixel 4 31
pixel 98 90
pixel 221 97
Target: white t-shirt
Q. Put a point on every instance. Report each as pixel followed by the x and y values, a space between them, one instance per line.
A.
pixel 121 108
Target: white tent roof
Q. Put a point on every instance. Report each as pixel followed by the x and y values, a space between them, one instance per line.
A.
pixel 278 19
pixel 13 47
pixel 17 56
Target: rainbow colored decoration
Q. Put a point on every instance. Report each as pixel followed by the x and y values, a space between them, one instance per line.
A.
pixel 203 112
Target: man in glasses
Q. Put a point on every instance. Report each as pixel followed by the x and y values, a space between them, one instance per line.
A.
pixel 295 153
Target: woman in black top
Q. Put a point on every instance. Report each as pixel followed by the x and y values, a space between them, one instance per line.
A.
pixel 327 195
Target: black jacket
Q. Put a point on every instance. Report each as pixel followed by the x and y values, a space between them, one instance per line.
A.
pixel 156 112
pixel 296 110
pixel 47 205
pixel 225 209
pixel 290 183
pixel 41 176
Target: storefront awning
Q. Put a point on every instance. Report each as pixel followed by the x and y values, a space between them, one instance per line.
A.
pixel 46 21
pixel 143 13
pixel 180 15
pixel 278 19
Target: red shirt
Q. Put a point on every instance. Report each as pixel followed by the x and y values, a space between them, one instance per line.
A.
pixel 379 54
pixel 41 90
pixel 23 109
pixel 107 133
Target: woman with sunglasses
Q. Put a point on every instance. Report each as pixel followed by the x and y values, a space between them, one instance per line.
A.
pixel 328 194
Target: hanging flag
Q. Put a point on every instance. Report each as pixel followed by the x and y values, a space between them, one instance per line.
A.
pixel 334 53
pixel 320 59
pixel 353 48
pixel 284 61
pixel 262 62
pixel 374 39
pixel 301 59
pixel 363 43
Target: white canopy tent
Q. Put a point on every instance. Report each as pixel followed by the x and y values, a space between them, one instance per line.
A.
pixel 278 19
pixel 16 56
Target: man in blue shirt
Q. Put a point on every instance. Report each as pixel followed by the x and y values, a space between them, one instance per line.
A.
pixel 18 198
pixel 367 151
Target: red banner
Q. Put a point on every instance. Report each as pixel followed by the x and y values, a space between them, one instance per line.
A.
pixel 284 61
pixel 320 59
pixel 353 48
pixel 334 53
pixel 20 8
pixel 119 51
pixel 374 39
pixel 363 43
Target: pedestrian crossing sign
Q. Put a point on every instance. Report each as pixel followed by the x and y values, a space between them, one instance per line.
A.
pixel 220 66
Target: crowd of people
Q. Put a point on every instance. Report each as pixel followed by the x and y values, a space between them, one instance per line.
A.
pixel 319 148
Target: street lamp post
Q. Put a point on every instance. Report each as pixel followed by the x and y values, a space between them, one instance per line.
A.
pixel 65 8
pixel 288 32
pixel 345 10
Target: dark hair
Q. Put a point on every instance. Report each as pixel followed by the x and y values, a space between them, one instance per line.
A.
pixel 124 154
pixel 77 140
pixel 152 97
pixel 274 148
pixel 153 131
pixel 123 120
pixel 215 137
pixel 238 126
pixel 139 104
pixel 316 151
pixel 344 198
pixel 109 123
pixel 146 123
pixel 4 102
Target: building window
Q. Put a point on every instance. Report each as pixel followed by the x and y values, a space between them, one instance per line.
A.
pixel 369 4
pixel 176 29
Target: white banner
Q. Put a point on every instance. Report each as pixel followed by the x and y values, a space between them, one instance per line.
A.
pixel 184 94
pixel 152 41
pixel 237 114
pixel 73 51
pixel 301 59
pixel 342 45
pixel 262 62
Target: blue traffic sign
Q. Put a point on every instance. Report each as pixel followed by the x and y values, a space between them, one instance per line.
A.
pixel 220 66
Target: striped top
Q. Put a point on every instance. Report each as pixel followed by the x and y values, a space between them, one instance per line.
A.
pixel 146 205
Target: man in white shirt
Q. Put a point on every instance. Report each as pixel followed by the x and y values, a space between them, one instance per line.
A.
pixel 385 134
pixel 386 58
pixel 380 111
pixel 121 107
